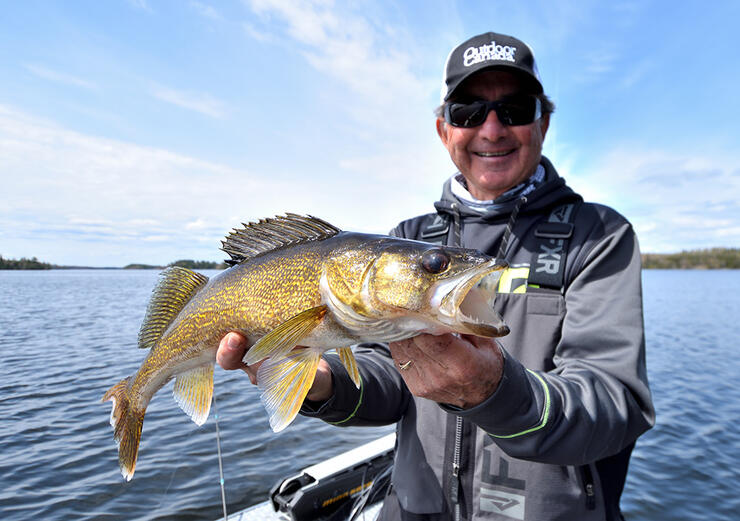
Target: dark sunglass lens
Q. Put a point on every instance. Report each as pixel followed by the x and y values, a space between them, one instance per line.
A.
pixel 467 114
pixel 513 111
pixel 519 111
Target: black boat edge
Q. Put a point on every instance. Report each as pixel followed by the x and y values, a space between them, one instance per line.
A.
pixel 341 488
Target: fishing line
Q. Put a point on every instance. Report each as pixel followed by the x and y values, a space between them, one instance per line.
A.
pixel 220 461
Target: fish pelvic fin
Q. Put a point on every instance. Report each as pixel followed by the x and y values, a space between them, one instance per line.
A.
pixel 285 384
pixel 350 364
pixel 193 392
pixel 176 287
pixel 274 233
pixel 279 342
pixel 127 423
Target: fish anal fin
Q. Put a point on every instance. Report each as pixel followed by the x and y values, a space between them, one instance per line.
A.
pixel 285 384
pixel 127 423
pixel 193 392
pixel 281 340
pixel 176 287
pixel 350 364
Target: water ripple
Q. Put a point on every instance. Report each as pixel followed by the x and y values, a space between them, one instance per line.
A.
pixel 67 336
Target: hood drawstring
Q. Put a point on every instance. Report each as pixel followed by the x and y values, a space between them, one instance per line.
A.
pixel 509 227
pixel 457 226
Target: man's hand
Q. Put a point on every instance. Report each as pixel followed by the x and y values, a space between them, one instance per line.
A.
pixel 234 346
pixel 230 353
pixel 458 370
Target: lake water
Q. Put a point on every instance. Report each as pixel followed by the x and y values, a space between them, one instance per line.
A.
pixel 67 336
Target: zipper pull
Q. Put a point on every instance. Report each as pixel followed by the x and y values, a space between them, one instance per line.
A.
pixel 590 496
pixel 588 487
pixel 455 486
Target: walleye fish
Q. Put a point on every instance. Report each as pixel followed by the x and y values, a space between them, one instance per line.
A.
pixel 297 280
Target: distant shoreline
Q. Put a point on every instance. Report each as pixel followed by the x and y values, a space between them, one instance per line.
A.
pixel 34 264
pixel 707 259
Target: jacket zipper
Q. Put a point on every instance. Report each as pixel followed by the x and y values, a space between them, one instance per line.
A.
pixel 455 482
pixel 456 455
pixel 588 487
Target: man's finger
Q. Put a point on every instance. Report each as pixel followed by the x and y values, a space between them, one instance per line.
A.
pixel 231 350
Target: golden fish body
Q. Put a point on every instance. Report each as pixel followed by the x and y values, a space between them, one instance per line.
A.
pixel 297 281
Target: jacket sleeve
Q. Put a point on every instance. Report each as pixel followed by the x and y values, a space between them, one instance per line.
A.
pixel 596 400
pixel 381 399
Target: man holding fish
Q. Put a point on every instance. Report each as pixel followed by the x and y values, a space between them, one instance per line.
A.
pixel 537 424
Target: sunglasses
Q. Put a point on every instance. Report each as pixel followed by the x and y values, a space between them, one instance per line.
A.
pixel 521 109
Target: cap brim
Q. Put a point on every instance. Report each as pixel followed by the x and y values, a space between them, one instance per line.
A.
pixel 521 72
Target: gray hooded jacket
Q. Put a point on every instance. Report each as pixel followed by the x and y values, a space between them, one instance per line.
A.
pixel 554 440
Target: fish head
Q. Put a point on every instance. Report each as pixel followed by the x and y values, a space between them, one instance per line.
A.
pixel 444 288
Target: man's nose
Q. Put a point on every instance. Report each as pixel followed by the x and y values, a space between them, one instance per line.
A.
pixel 492 129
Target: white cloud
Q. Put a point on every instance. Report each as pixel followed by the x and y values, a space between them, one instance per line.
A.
pixel 675 200
pixel 140 4
pixel 373 61
pixel 72 198
pixel 257 34
pixel 58 77
pixel 206 10
pixel 197 102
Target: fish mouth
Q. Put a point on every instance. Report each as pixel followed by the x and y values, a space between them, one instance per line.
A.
pixel 466 302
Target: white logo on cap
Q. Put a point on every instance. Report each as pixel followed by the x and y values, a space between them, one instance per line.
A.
pixel 473 55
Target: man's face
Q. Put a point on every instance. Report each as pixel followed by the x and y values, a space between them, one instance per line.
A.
pixel 493 157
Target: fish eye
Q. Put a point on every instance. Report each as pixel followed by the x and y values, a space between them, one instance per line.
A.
pixel 435 261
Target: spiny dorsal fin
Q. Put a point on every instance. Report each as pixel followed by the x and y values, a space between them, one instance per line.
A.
pixel 274 233
pixel 175 289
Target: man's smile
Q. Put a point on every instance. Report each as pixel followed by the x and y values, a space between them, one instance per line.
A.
pixel 494 154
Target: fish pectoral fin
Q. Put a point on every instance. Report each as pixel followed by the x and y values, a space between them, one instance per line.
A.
pixel 350 364
pixel 279 342
pixel 193 392
pixel 285 384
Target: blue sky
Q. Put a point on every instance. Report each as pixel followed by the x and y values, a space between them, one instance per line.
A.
pixel 144 130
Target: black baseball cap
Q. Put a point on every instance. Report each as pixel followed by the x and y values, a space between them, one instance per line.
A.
pixel 489 51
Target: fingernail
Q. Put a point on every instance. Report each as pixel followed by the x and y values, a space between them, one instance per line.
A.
pixel 233 342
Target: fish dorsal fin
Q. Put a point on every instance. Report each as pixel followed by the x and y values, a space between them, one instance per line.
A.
pixel 274 233
pixel 175 289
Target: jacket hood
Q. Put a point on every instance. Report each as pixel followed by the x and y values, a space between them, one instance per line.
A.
pixel 552 192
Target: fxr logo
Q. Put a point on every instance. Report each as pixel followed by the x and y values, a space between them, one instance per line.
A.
pixel 548 260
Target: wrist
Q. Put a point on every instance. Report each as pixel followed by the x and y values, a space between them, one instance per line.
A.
pixel 323 384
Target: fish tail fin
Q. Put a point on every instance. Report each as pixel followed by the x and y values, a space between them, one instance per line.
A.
pixel 127 422
pixel 285 383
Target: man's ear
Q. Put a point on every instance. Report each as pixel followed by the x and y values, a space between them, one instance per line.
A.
pixel 544 124
pixel 442 130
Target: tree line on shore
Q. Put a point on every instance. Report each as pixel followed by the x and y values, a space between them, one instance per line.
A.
pixel 183 263
pixel 707 259
pixel 711 258
pixel 24 264
pixel 34 264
